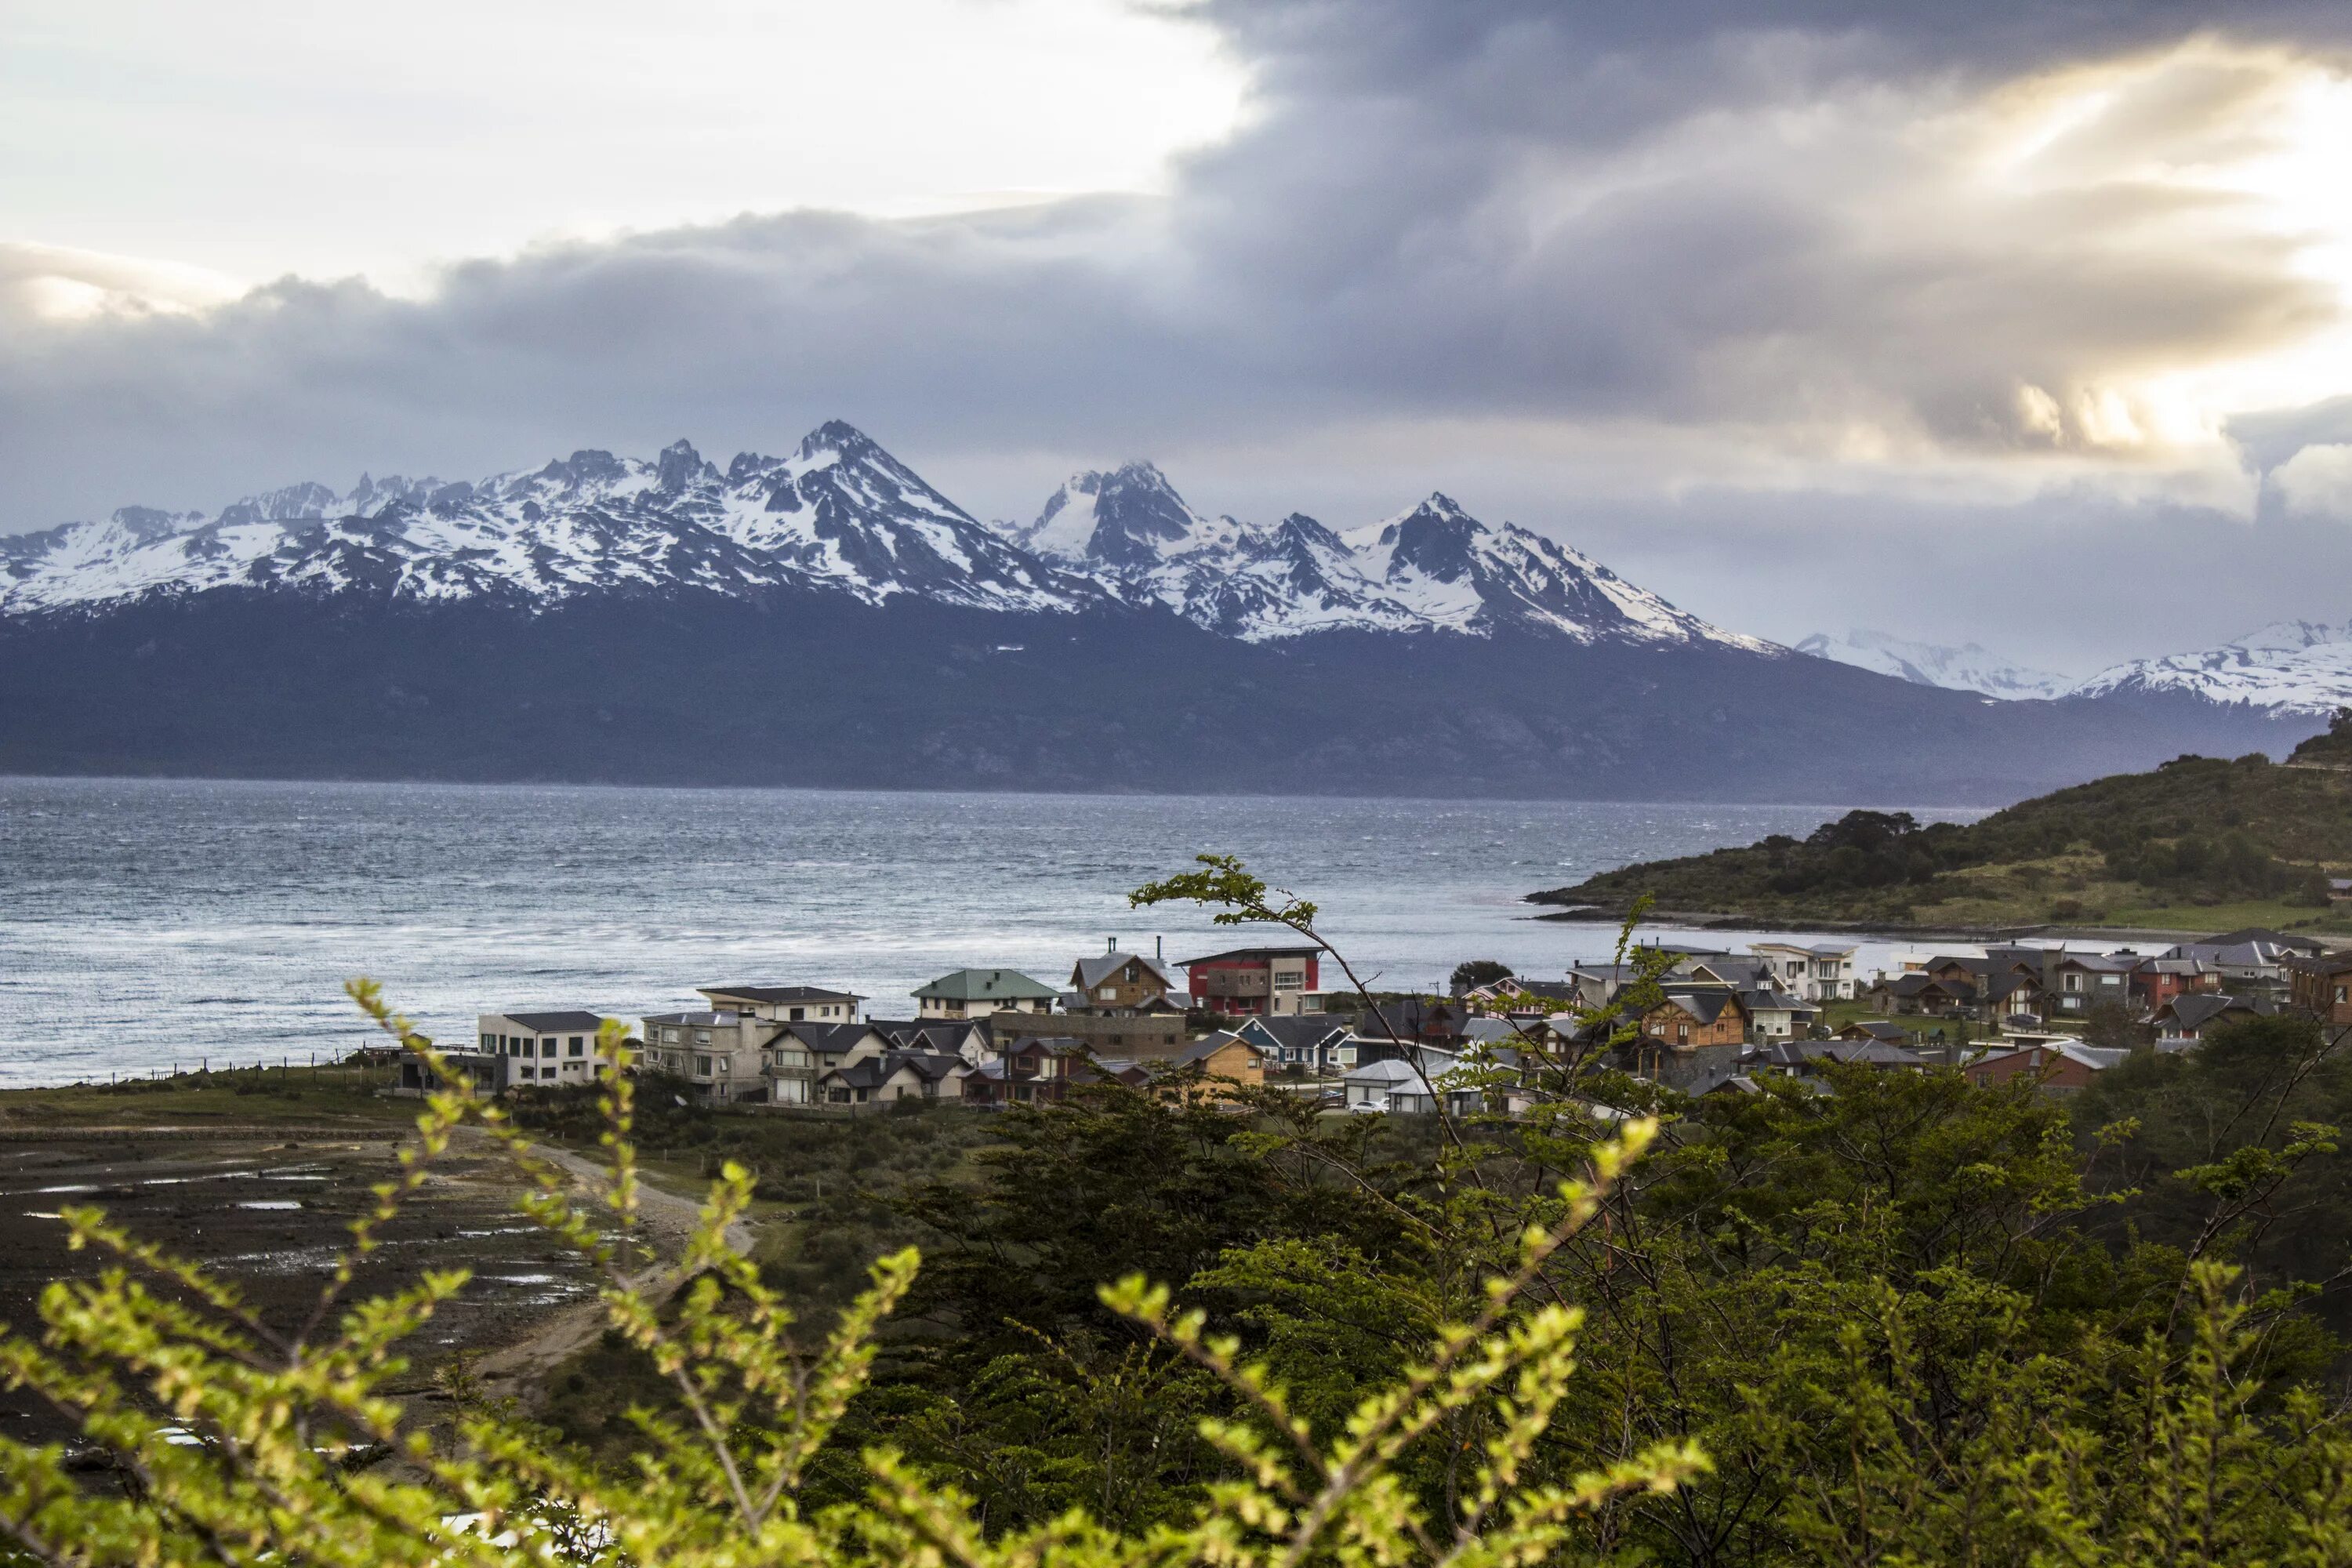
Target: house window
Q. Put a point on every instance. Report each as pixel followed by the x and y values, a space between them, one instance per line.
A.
pixel 797 1014
pixel 546 1046
pixel 701 1036
pixel 2073 981
pixel 669 1036
pixel 1107 994
pixel 490 1042
pixel 579 1044
pixel 2343 993
pixel 702 1065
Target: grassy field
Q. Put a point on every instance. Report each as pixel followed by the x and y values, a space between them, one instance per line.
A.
pixel 247 1097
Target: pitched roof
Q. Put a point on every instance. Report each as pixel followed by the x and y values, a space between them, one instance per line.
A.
pixel 555 1023
pixel 723 1019
pixel 1202 1050
pixel 1704 1003
pixel 829 1039
pixel 1094 969
pixel 1774 1001
pixel 1391 1071
pixel 2194 1009
pixel 987 985
pixel 776 994
pixel 1298 1031
pixel 1880 1029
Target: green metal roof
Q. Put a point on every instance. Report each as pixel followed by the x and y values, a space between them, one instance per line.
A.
pixel 987 985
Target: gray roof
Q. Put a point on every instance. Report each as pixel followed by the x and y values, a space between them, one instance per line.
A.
pixel 2197 1008
pixel 1202 1050
pixel 1705 1004
pixel 700 1020
pixel 1299 1030
pixel 556 1023
pixel 829 1039
pixel 777 994
pixel 1094 969
pixel 1389 1071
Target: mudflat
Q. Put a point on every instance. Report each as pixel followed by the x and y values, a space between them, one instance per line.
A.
pixel 270 1212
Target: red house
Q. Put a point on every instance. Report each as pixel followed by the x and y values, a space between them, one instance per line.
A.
pixel 1254 979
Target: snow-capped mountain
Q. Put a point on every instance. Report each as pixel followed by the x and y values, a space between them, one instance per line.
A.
pixel 2286 667
pixel 842 514
pixel 1968 668
pixel 1432 568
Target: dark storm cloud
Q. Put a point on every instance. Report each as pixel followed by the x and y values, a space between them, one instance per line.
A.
pixel 1701 216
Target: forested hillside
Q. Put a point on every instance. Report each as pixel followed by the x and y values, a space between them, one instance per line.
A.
pixel 2196 841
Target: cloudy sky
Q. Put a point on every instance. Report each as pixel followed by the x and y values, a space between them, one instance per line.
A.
pixel 2023 321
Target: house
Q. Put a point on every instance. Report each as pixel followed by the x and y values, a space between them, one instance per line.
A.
pixel 1774 1015
pixel 1031 1069
pixel 786 1003
pixel 2250 962
pixel 2062 1067
pixel 973 1039
pixel 1115 981
pixel 1223 1057
pixel 538 1049
pixel 1146 1032
pixel 1693 1016
pixel 722 1053
pixel 1877 1029
pixel 2082 981
pixel 1822 972
pixel 2009 994
pixel 1255 979
pixel 979 993
pixel 2155 981
pixel 798 1056
pixel 1306 1040
pixel 1399 1086
pixel 2321 985
pixel 1421 1020
pixel 1925 993
pixel 1481 1000
pixel 2182 1022
pixel 894 1076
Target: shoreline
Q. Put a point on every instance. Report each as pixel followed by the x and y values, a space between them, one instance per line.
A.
pixel 1595 915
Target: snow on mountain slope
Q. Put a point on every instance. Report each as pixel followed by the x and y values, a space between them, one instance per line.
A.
pixel 843 514
pixel 1455 572
pixel 1968 668
pixel 839 514
pixel 1432 568
pixel 2287 667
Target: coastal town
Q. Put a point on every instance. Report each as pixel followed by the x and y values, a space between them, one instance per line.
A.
pixel 1693 1019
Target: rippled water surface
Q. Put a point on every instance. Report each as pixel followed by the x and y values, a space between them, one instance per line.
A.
pixel 149 922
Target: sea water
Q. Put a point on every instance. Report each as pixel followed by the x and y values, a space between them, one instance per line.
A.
pixel 152 923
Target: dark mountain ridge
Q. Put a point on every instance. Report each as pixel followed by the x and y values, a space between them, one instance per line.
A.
pixel 800 686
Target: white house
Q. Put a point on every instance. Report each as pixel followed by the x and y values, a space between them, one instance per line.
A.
pixel 542 1049
pixel 786 1003
pixel 1823 972
pixel 979 993
pixel 1396 1086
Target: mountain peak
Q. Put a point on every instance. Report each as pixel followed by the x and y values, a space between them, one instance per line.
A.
pixel 1126 519
pixel 839 437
